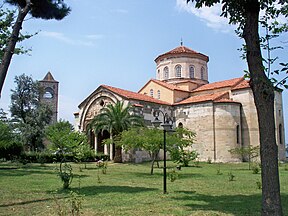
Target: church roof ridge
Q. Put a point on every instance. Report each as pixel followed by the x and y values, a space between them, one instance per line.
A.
pixel 242 85
pixel 220 84
pixel 134 95
pixel 169 85
pixel 182 50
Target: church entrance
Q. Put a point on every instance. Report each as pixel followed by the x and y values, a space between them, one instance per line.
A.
pixel 100 137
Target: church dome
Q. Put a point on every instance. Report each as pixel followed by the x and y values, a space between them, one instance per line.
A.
pixel 182 63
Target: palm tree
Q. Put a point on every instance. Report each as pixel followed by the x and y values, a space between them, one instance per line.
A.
pixel 115 118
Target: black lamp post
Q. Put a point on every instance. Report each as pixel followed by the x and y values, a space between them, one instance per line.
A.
pixel 167 126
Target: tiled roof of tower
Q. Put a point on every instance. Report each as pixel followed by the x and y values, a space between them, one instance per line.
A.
pixel 242 85
pixel 133 95
pixel 203 98
pixel 222 84
pixel 49 78
pixel 182 50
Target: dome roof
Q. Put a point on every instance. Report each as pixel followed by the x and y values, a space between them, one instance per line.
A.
pixel 182 51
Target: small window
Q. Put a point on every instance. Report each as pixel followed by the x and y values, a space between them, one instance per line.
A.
pixel 102 103
pixel 166 73
pixel 48 94
pixel 180 125
pixel 158 73
pixel 151 92
pixel 280 134
pixel 238 134
pixel 158 94
pixel 178 71
pixel 202 73
pixel 191 71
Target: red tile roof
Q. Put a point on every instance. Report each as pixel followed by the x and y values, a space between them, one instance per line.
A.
pixel 242 85
pixel 133 95
pixel 222 84
pixel 182 50
pixel 203 98
pixel 168 85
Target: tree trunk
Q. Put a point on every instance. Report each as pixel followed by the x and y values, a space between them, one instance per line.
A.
pixel 9 50
pixel 263 93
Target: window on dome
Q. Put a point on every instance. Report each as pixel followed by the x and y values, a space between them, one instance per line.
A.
pixel 166 73
pixel 178 70
pixel 202 73
pixel 151 92
pixel 191 71
pixel 158 94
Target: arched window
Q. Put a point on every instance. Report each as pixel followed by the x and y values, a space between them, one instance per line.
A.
pixel 202 73
pixel 280 134
pixel 238 134
pixel 191 71
pixel 48 94
pixel 180 125
pixel 151 92
pixel 158 74
pixel 158 94
pixel 178 70
pixel 166 73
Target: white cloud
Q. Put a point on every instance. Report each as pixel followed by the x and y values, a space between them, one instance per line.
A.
pixel 210 15
pixel 94 36
pixel 61 37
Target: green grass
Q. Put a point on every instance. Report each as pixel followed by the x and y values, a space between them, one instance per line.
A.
pixel 129 189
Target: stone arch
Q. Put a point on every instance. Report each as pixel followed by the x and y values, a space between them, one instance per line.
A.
pixel 94 105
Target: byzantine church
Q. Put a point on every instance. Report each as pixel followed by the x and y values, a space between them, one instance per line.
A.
pixel 222 114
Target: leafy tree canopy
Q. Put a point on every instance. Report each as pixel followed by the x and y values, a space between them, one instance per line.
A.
pixel 44 9
pixel 29 114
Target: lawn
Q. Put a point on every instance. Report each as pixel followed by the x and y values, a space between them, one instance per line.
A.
pixel 129 189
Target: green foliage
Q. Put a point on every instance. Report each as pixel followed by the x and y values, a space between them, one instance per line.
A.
pixel 172 175
pixel 256 167
pixel 10 147
pixel 29 115
pixel 44 9
pixel 180 146
pixel 7 18
pixel 64 140
pixel 247 153
pixel 259 184
pixel 231 176
pixel 65 174
pixel 115 118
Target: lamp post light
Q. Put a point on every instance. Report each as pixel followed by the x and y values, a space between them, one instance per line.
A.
pixel 167 126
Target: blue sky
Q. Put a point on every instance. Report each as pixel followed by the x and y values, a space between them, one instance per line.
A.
pixel 115 43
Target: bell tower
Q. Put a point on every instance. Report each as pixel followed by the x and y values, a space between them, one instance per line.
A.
pixel 50 94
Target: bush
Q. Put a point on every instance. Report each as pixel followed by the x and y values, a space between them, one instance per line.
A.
pixel 50 157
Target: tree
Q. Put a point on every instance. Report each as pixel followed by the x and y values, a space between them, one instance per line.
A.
pixel 246 15
pixel 7 18
pixel 148 139
pixel 44 9
pixel 248 152
pixel 64 140
pixel 28 113
pixel 10 147
pixel 115 118
pixel 151 140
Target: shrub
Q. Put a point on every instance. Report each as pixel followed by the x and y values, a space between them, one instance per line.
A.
pixel 256 168
pixel 231 176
